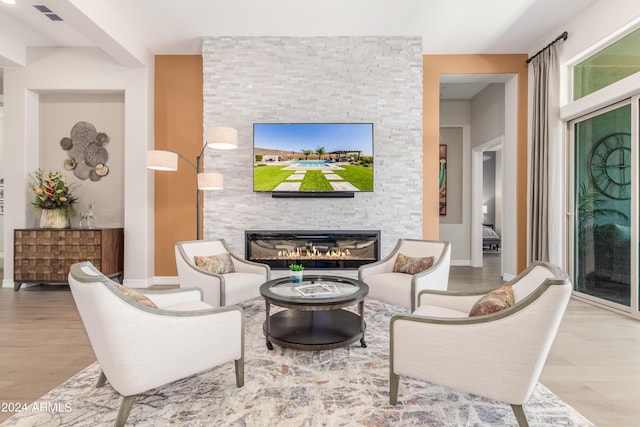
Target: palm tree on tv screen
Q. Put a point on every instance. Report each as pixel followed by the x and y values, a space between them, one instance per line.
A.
pixel 307 153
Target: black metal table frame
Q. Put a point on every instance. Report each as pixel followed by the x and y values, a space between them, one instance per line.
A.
pixel 303 309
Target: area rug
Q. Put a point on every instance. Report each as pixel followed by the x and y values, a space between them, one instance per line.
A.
pixel 342 387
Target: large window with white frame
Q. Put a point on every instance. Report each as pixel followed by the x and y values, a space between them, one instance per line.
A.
pixel 613 63
pixel 602 204
pixel 604 177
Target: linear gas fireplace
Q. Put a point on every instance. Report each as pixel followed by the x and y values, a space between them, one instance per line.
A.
pixel 313 248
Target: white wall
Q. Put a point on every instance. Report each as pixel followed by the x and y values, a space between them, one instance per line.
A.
pixel 458 114
pixel 80 70
pixel 58 114
pixel 455 113
pixel 487 114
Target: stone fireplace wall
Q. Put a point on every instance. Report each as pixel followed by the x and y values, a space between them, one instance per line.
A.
pixel 310 80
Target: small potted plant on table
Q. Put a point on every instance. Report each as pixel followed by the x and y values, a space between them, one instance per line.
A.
pixel 295 273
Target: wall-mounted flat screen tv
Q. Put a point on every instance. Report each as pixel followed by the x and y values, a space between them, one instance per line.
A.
pixel 313 157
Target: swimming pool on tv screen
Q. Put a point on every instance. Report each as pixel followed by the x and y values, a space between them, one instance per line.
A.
pixel 311 162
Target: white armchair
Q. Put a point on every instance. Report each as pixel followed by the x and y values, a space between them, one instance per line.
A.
pixel 498 355
pixel 141 347
pixel 401 289
pixel 219 289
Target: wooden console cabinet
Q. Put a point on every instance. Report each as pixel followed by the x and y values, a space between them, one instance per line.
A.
pixel 45 255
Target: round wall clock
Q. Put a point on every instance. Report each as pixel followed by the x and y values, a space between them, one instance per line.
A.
pixel 610 166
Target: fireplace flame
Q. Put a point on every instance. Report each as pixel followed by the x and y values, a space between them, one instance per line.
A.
pixel 314 253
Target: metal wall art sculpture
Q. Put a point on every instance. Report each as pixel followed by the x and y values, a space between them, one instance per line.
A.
pixel 87 154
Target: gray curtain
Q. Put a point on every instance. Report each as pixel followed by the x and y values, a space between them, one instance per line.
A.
pixel 544 158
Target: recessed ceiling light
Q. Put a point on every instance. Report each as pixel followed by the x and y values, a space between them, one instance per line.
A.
pixel 8 1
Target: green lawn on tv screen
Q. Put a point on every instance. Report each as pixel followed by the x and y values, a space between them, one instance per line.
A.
pixel 267 178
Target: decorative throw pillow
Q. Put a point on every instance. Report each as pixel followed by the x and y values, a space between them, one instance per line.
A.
pixel 219 264
pixel 136 296
pixel 493 302
pixel 409 265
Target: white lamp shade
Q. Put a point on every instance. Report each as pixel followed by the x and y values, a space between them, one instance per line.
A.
pixel 209 181
pixel 162 160
pixel 222 138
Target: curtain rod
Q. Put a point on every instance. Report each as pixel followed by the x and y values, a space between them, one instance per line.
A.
pixel 562 36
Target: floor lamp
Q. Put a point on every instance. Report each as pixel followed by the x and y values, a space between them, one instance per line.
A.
pixel 219 138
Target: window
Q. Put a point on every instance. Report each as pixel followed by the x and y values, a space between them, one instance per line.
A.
pixel 609 65
pixel 603 203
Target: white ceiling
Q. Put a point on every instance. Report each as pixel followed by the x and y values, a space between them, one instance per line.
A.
pixel 131 31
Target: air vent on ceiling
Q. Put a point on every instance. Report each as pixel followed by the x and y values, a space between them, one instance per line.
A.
pixel 47 12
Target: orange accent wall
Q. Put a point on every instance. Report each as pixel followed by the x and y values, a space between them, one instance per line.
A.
pixel 178 126
pixel 433 66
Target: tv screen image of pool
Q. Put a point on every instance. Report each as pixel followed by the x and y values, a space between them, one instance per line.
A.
pixel 313 157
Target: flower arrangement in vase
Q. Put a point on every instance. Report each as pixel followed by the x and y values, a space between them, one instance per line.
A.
pixel 54 197
pixel 295 273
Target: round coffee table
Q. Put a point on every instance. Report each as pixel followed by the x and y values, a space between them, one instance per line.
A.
pixel 314 319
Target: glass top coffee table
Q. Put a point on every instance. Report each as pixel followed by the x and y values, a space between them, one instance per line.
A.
pixel 314 318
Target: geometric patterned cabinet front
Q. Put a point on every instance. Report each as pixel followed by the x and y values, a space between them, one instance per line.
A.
pixel 44 255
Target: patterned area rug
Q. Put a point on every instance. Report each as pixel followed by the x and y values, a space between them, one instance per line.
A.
pixel 342 387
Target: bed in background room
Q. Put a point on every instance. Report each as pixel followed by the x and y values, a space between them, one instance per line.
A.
pixel 490 239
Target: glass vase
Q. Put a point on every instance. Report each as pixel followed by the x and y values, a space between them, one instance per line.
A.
pixel 55 218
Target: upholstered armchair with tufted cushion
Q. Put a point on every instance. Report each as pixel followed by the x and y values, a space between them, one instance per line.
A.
pixel 224 277
pixel 490 344
pixel 146 339
pixel 387 281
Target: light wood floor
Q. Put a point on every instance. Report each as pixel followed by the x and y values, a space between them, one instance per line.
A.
pixel 593 365
pixel 594 362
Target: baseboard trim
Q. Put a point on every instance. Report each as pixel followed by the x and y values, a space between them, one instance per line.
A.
pixel 138 283
pixel 165 280
pixel 8 283
pixel 507 276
